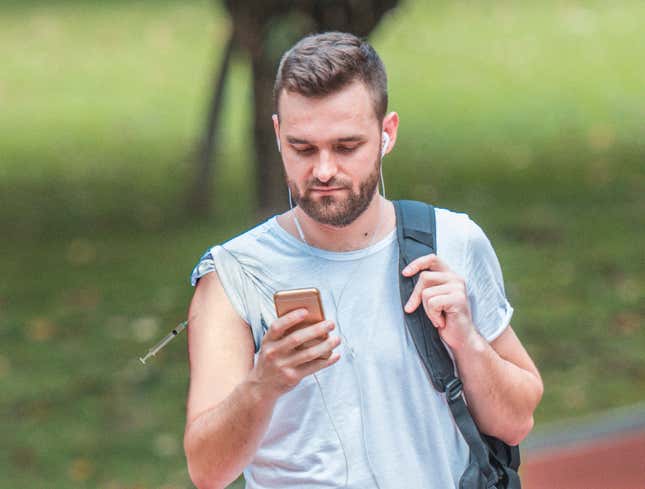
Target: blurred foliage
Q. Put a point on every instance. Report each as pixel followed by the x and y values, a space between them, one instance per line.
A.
pixel 527 116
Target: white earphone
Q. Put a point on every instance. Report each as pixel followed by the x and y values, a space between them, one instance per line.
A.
pixel 386 143
pixel 277 141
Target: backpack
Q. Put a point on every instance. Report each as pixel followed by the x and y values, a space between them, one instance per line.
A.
pixel 492 464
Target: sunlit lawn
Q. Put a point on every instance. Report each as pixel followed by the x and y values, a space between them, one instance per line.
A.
pixel 529 117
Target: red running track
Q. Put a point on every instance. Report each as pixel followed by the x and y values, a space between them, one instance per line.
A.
pixel 612 462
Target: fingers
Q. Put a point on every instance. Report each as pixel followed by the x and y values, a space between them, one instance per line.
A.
pixel 430 280
pixel 439 273
pixel 435 305
pixel 282 364
pixel 426 262
pixel 316 365
pixel 300 337
pixel 283 323
pixel 286 355
pixel 289 342
pixel 321 350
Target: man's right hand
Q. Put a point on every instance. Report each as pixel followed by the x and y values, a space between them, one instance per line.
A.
pixel 231 399
pixel 283 361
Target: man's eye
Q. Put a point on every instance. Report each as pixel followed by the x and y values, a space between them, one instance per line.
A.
pixel 346 149
pixel 305 151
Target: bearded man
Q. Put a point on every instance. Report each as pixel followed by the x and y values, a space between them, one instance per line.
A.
pixel 344 402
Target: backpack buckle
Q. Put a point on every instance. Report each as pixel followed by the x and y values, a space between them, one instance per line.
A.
pixel 453 389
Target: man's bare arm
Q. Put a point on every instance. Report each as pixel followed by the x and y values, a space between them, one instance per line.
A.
pixel 224 418
pixel 230 401
pixel 501 383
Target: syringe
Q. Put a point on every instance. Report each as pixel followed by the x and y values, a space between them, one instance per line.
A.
pixel 166 339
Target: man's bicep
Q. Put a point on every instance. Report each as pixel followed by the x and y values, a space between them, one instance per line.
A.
pixel 508 346
pixel 220 346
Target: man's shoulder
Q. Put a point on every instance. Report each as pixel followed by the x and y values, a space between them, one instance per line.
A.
pixel 247 248
pixel 456 232
pixel 249 238
pixel 453 222
pixel 239 246
pixel 259 246
pixel 449 217
pixel 452 225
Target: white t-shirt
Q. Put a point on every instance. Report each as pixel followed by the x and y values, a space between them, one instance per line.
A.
pixel 372 419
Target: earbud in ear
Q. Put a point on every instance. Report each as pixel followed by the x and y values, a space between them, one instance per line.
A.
pixel 386 142
pixel 277 142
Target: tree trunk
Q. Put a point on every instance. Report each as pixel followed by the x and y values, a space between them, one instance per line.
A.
pixel 270 184
pixel 201 189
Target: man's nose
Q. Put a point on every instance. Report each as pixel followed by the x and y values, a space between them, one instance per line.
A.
pixel 326 167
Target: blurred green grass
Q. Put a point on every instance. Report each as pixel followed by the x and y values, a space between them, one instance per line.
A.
pixel 528 116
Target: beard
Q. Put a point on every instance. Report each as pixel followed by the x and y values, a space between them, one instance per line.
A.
pixel 334 210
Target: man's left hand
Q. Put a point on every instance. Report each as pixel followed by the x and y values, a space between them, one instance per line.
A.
pixel 444 297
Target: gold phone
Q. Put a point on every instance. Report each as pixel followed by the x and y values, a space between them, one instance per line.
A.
pixel 289 300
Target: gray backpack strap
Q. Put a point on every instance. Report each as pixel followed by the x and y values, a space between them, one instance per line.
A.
pixel 416 233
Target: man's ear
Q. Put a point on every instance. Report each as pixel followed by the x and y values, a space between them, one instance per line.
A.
pixel 276 129
pixel 390 127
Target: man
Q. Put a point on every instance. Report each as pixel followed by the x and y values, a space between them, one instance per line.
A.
pixel 354 408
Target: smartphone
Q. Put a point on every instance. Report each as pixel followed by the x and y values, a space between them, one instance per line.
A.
pixel 289 300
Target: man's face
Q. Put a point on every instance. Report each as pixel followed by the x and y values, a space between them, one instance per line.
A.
pixel 331 152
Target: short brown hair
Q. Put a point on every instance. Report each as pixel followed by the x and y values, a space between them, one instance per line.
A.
pixel 321 64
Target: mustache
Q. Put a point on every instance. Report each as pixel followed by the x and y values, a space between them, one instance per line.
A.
pixel 333 183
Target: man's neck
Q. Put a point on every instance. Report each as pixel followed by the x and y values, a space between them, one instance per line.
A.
pixel 378 218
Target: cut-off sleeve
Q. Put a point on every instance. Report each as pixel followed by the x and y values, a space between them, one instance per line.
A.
pixel 490 308
pixel 237 286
